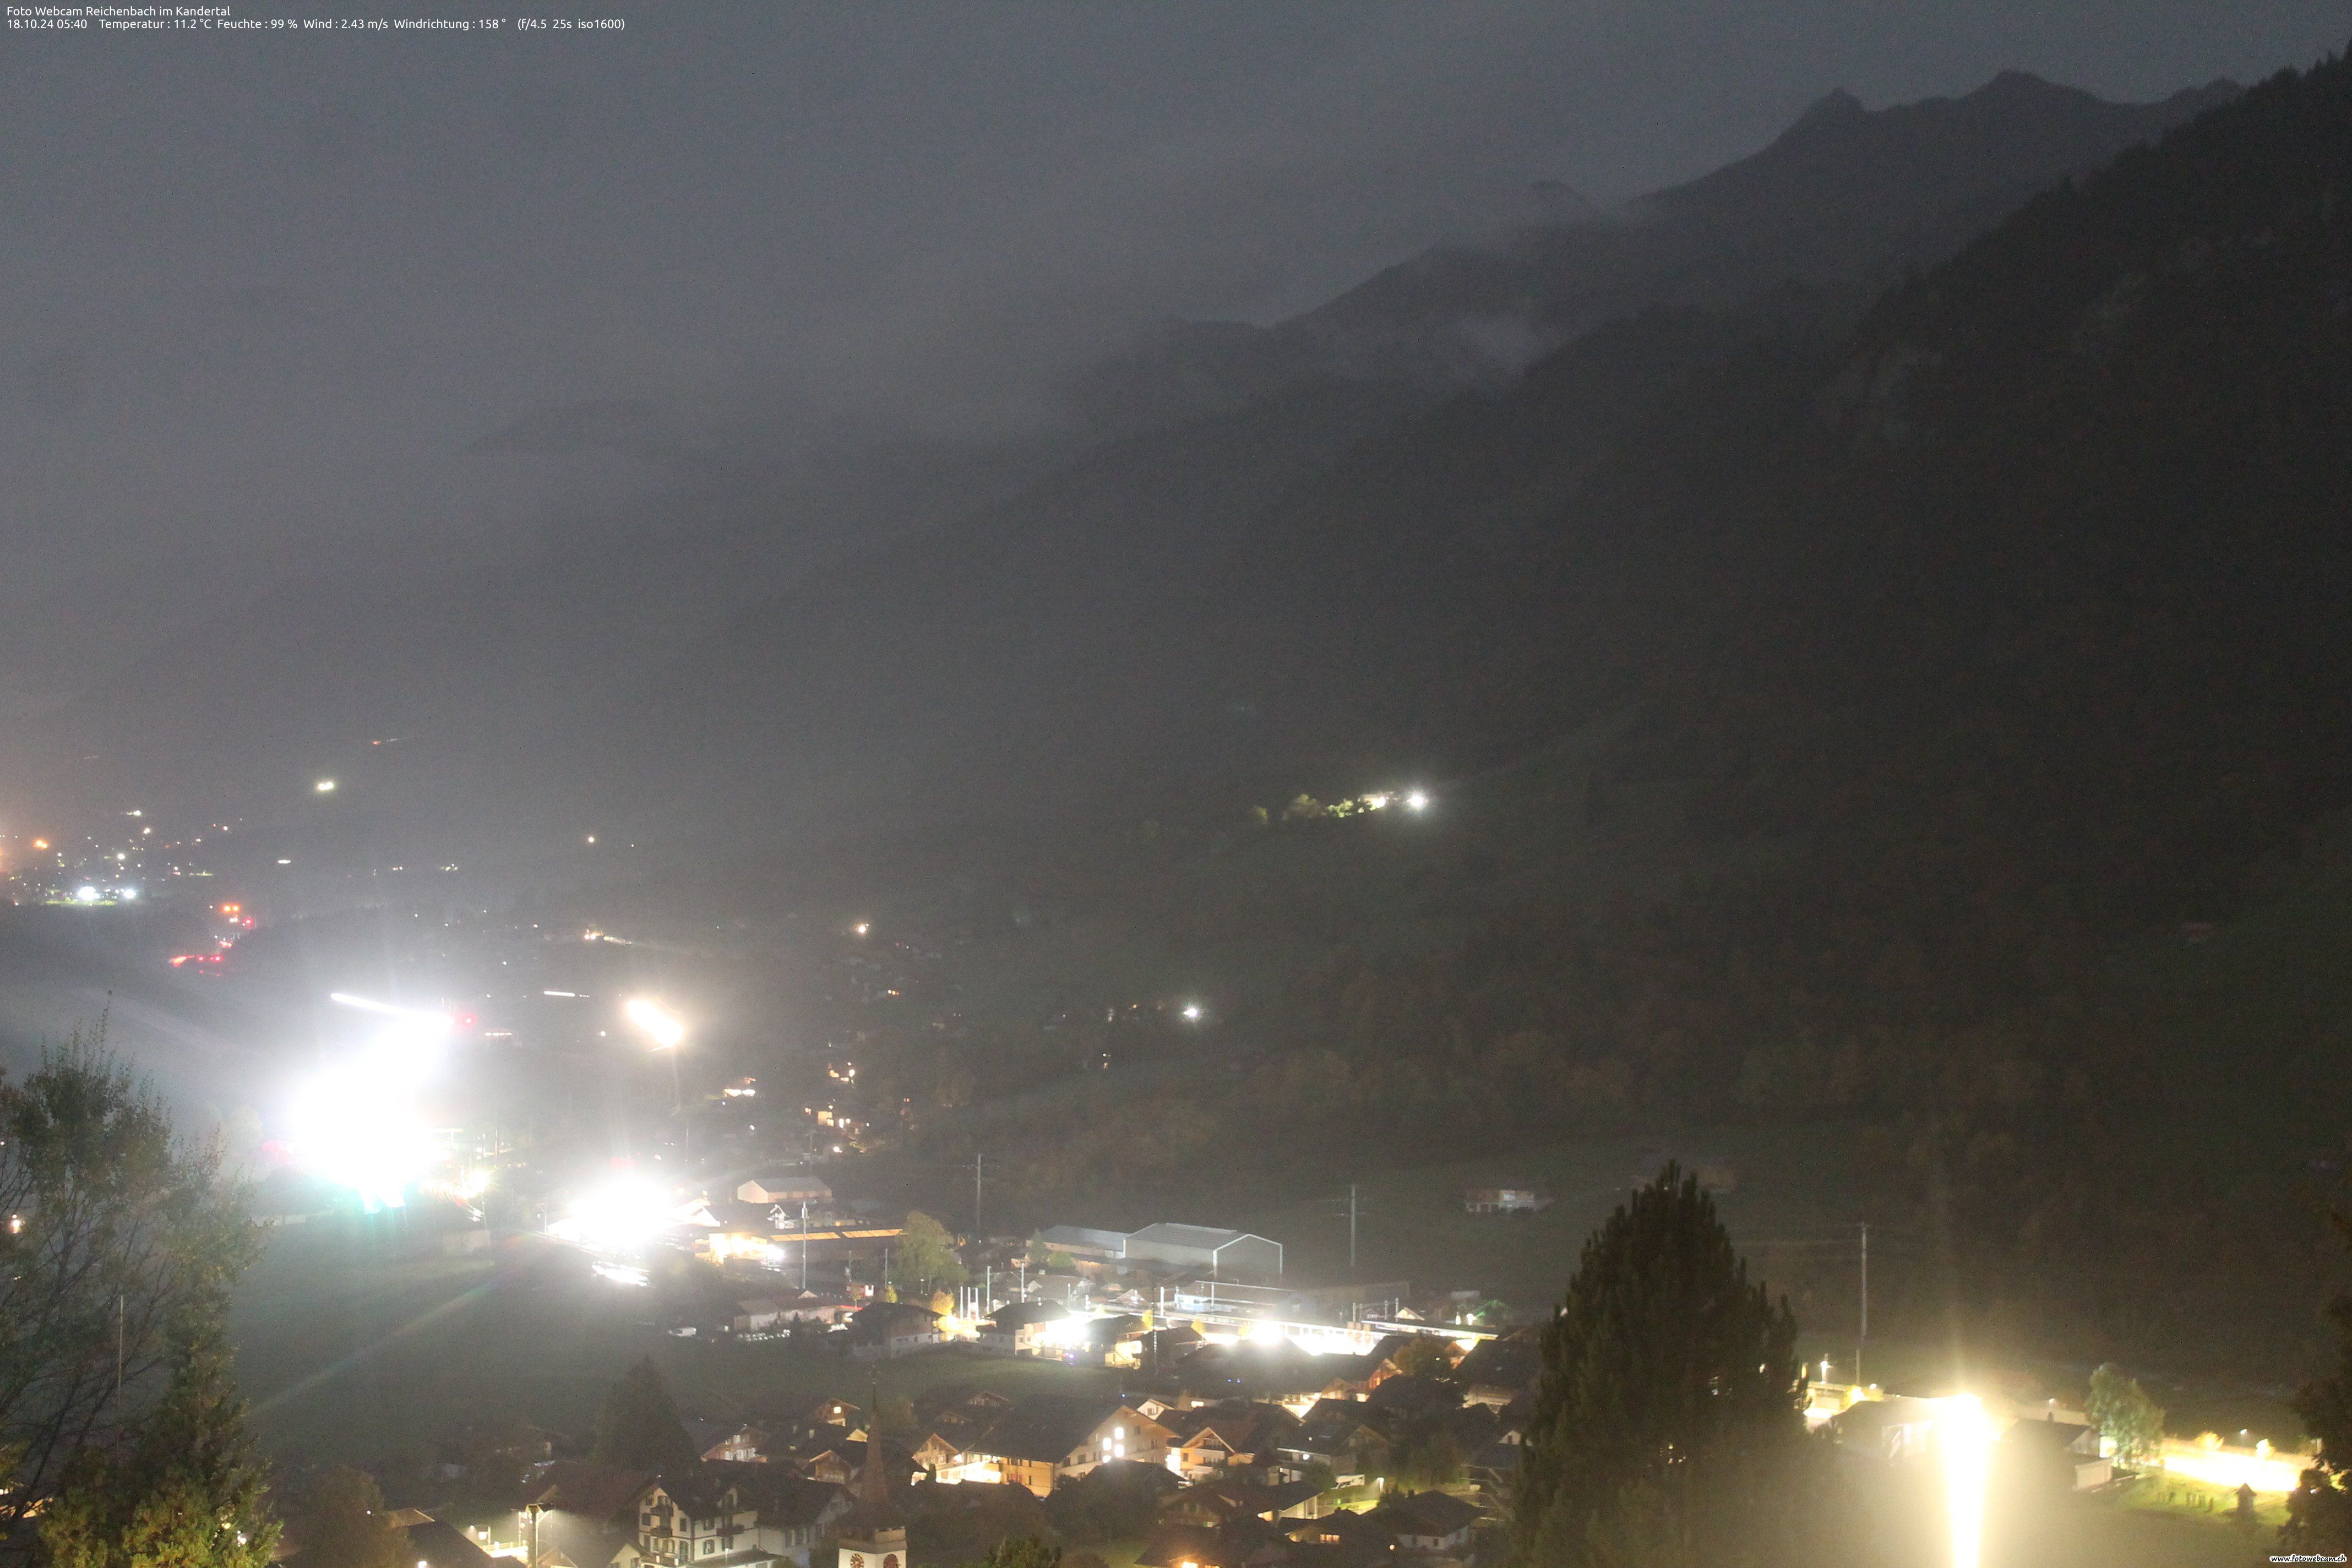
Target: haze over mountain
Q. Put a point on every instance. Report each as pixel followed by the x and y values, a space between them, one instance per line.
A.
pixel 1174 589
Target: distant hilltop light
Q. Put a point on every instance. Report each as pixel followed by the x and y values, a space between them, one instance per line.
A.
pixel 325 787
pixel 860 928
pixel 591 839
pixel 1415 800
pixel 1191 1012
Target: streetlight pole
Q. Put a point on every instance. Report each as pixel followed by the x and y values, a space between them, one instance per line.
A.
pixel 1863 1337
pixel 667 1033
pixel 531 1561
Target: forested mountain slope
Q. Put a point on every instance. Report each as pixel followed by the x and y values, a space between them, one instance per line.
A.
pixel 694 668
pixel 1959 656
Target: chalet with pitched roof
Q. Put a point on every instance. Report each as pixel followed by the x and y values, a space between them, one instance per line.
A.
pixel 587 1512
pixel 1049 1437
pixel 1432 1523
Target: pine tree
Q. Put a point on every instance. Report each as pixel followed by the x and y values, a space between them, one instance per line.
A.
pixel 638 1428
pixel 1667 1427
pixel 127 1244
pixel 188 1492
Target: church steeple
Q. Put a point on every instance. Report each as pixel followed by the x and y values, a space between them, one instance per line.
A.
pixel 874 1477
pixel 872 1534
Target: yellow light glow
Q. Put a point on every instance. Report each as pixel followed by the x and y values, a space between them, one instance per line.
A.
pixel 662 1029
pixel 2228 1470
pixel 627 1212
pixel 1966 1434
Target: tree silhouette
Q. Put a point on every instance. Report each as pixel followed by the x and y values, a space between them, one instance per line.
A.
pixel 344 1522
pixel 1667 1425
pixel 188 1492
pixel 2319 1511
pixel 638 1428
pixel 926 1259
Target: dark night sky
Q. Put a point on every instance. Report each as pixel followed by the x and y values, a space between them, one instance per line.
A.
pixel 261 291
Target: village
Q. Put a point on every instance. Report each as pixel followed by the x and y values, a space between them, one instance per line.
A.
pixel 1181 1405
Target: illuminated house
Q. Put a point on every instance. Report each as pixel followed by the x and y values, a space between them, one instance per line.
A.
pixel 1211 1439
pixel 1430 1522
pixel 1503 1200
pixel 885 1331
pixel 795 1515
pixel 727 1440
pixel 587 1513
pixel 1024 1328
pixel 787 1185
pixel 1051 1437
pixel 693 1519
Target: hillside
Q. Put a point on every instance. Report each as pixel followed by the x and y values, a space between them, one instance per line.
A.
pixel 1099 594
pixel 1847 194
pixel 1943 665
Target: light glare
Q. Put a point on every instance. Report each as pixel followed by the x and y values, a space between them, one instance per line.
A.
pixel 1966 1433
pixel 662 1029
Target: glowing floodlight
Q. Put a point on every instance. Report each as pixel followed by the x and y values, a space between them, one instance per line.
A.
pixel 1265 1332
pixel 1191 1012
pixel 325 787
pixel 419 1016
pixel 359 1125
pixel 1416 801
pixel 622 1215
pixel 1966 1434
pixel 663 1027
pixel 85 894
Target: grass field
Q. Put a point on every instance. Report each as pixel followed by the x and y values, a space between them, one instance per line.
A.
pixel 352 1354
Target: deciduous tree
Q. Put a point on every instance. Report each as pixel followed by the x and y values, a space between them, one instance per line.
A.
pixel 926 1259
pixel 2131 1422
pixel 120 1241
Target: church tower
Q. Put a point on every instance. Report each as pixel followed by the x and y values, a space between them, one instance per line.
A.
pixel 873 1535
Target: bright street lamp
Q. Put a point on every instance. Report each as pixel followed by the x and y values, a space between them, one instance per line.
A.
pixel 667 1031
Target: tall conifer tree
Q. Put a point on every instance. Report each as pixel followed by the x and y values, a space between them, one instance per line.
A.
pixel 1667 1427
